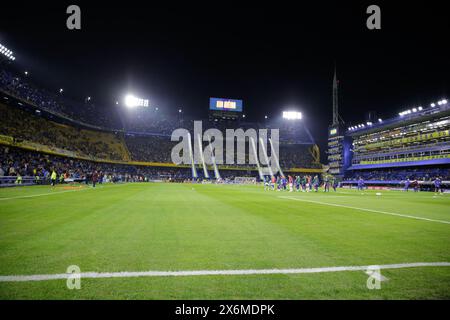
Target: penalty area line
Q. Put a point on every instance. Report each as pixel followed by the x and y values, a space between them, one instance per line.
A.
pixel 129 274
pixel 367 210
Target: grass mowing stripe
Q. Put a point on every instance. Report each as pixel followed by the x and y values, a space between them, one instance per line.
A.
pixel 365 209
pixel 133 274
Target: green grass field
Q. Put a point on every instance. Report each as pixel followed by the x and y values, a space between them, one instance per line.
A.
pixel 182 227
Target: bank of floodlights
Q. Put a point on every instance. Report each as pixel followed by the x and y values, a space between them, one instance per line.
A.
pixel 7 53
pixel 292 115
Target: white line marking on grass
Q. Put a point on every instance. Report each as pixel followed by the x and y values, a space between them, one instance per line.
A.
pixel 128 274
pixel 56 192
pixel 368 210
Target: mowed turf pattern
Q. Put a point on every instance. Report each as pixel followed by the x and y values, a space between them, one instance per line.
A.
pixel 183 227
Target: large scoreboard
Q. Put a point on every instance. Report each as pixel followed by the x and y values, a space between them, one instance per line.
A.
pixel 225 108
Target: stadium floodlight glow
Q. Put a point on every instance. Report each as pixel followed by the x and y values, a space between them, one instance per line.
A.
pixel 243 116
pixel 291 115
pixel 7 53
pixel 420 108
pixel 61 90
pixel 433 105
pixel 265 117
pixel 369 123
pixel 444 101
pixel 26 73
pixel 414 109
pixel 380 120
pixel 179 110
pixel 131 101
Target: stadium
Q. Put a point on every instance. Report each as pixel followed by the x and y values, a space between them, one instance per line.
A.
pixel 93 204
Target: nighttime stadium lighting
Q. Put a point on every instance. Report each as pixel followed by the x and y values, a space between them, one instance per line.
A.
pixel 26 73
pixel 380 120
pixel 61 90
pixel 243 116
pixel 292 115
pixel 265 117
pixel 131 101
pixel 179 110
pixel 7 53
pixel 433 105
pixel 444 101
pixel 419 108
pixel 414 109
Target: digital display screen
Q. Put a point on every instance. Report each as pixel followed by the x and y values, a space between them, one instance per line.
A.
pixel 222 104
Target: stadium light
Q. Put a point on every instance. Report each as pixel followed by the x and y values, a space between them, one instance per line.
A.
pixel 265 117
pixel 117 102
pixel 7 53
pixel 61 90
pixel 444 101
pixel 420 108
pixel 243 116
pixel 26 73
pixel 291 115
pixel 380 120
pixel 179 110
pixel 414 109
pixel 433 105
pixel 131 101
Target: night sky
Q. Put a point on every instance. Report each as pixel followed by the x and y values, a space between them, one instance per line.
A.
pixel 274 56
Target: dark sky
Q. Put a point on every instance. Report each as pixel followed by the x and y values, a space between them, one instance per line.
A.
pixel 274 56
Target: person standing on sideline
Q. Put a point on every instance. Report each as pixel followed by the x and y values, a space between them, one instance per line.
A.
pixel 94 178
pixel 53 178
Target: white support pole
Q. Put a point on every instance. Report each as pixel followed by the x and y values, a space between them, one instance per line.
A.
pixel 191 155
pixel 261 143
pixel 205 169
pixel 274 154
pixel 255 153
pixel 213 159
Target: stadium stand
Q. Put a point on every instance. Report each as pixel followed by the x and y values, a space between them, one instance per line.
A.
pixel 86 113
pixel 413 146
pixel 47 127
pixel 85 143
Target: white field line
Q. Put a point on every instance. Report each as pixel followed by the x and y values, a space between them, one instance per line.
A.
pixel 367 210
pixel 130 274
pixel 52 193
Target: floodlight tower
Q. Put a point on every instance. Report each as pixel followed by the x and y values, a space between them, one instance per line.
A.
pixel 335 99
pixel 338 143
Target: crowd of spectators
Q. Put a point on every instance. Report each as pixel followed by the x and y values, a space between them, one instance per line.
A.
pixel 420 174
pixel 19 162
pixel 83 112
pixel 154 146
pixel 23 125
pixel 15 162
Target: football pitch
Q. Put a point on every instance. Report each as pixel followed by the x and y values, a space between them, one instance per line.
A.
pixel 185 241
